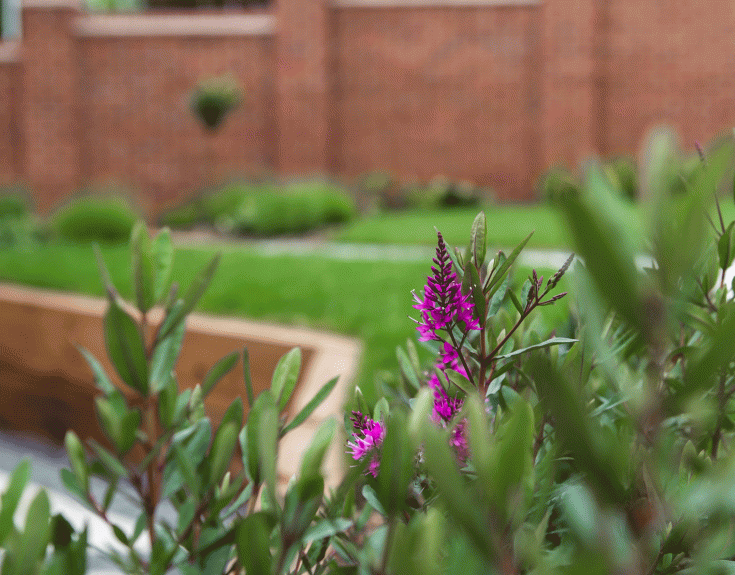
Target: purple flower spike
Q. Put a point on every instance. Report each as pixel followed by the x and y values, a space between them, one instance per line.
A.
pixel 367 438
pixel 444 305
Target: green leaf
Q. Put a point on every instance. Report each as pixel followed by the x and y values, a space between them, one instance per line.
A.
pixel 477 295
pixel 167 400
pixel 120 535
pixel 285 376
pixel 100 376
pixel 111 463
pixel 11 497
pixel 309 408
pixel 606 247
pixel 300 506
pixel 268 446
pixel 142 267
pixel 372 498
pixel 515 301
pixel 497 295
pixel 314 454
pixel 407 368
pixel 77 458
pixel 496 277
pixel 33 543
pixel 186 468
pixel 479 239
pixel 193 295
pixel 163 255
pixel 225 440
pixel 125 347
pixel 104 274
pixel 573 428
pixel 164 357
pixel 326 528
pixel 469 512
pixel 252 540
pixel 218 371
pixel 726 246
pixel 543 344
pixel 252 449
pixel 72 485
pixel 247 377
pixel 396 465
pixel 459 380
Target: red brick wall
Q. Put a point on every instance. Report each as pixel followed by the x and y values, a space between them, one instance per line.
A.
pixel 570 79
pixel 673 62
pixel 10 145
pixel 138 128
pixel 304 81
pixel 439 90
pixel 489 93
pixel 48 107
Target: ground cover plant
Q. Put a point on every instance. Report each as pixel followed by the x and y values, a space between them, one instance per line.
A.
pixel 607 448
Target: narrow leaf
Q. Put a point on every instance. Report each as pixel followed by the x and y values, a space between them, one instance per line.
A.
pixel 247 377
pixel 543 344
pixel 479 239
pixel 218 371
pixel 163 254
pixel 193 295
pixel 11 497
pixel 125 347
pixel 309 408
pixel 100 376
pixel 285 376
pixel 505 266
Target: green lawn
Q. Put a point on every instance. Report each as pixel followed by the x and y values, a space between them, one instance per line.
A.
pixel 368 300
pixel 507 225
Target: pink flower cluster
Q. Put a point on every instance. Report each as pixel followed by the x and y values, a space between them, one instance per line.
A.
pixel 444 306
pixel 367 438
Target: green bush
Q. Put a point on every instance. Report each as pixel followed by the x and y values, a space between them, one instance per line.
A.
pixel 267 209
pixel 442 193
pixel 185 216
pixel 557 185
pixel 13 202
pixel 94 219
pixel 298 208
pixel 623 174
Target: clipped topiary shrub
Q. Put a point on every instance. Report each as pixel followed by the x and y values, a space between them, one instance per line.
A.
pixel 94 219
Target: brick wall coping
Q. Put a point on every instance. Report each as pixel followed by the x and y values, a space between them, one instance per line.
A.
pixel 52 4
pixel 431 3
pixel 175 25
pixel 9 52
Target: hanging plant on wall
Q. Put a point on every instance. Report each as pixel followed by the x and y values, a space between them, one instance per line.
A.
pixel 214 98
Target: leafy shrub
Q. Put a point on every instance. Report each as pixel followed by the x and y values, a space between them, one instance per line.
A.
pixel 268 209
pixel 382 190
pixel 185 216
pixel 299 208
pixel 623 174
pixel 557 185
pixel 443 193
pixel 14 202
pixel 512 451
pixel 89 218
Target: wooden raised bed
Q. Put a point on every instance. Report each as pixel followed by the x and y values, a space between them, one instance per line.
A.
pixel 46 386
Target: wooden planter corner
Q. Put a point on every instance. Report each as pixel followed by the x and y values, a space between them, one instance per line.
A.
pixel 46 386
